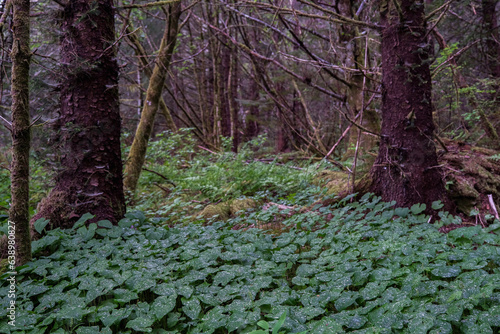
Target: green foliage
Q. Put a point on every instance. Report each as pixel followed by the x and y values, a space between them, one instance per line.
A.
pixel 201 176
pixel 4 188
pixel 372 268
pixel 495 157
pixel 39 174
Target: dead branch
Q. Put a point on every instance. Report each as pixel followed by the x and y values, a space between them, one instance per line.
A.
pixel 148 5
pixel 162 176
pixel 493 206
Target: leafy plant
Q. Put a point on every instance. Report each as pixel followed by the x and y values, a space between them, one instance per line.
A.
pixel 365 266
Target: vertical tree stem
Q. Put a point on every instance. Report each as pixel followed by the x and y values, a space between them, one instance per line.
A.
pixel 21 133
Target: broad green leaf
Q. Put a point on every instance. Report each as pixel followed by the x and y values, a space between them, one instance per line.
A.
pixel 141 324
pixel 191 307
pixel 436 205
pixel 446 271
pixel 80 222
pixel 223 278
pixel 263 324
pixel 87 330
pixel 125 296
pixel 163 305
pixel 105 223
pixel 356 322
pixel 40 224
pixel 418 208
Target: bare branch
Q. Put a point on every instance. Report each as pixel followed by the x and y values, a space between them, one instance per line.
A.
pixel 458 53
pixel 342 18
pixel 160 175
pixel 7 124
pixel 147 5
pixel 435 11
pixel 248 50
pixel 61 3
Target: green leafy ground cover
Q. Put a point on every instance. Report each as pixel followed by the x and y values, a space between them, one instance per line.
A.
pixel 372 268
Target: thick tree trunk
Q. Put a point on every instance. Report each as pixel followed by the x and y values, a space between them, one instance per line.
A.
pixel 21 133
pixel 137 154
pixel 406 169
pixel 89 124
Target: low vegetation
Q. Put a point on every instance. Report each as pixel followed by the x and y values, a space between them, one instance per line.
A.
pixel 275 262
pixel 355 266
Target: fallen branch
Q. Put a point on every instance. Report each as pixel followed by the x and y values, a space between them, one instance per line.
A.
pixel 148 5
pixel 162 176
pixel 166 190
pixel 206 149
pixel 493 207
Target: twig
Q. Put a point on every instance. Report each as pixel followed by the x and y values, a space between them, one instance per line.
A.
pixel 440 141
pixel 162 176
pixel 37 118
pixel 458 53
pixel 148 5
pixel 356 124
pixel 7 124
pixel 358 140
pixel 166 190
pixel 342 19
pixel 338 142
pixel 493 207
pixel 431 14
pixel 437 22
pixel 206 149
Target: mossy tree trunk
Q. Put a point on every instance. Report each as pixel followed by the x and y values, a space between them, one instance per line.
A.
pixel 137 154
pixel 406 169
pixel 21 133
pixel 89 125
pixel 142 56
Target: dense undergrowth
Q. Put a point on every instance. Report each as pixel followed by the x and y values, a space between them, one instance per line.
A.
pixel 364 267
pixel 196 177
pixel 371 268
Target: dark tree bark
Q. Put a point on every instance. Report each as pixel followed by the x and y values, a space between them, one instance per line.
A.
pixel 21 133
pixel 490 23
pixel 406 169
pixel 89 124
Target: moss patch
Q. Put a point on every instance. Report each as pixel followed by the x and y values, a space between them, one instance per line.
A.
pixel 335 181
pixel 222 210
pixel 226 209
pixel 242 205
pixel 4 266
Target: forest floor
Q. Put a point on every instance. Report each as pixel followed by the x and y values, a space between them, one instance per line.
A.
pixel 225 243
